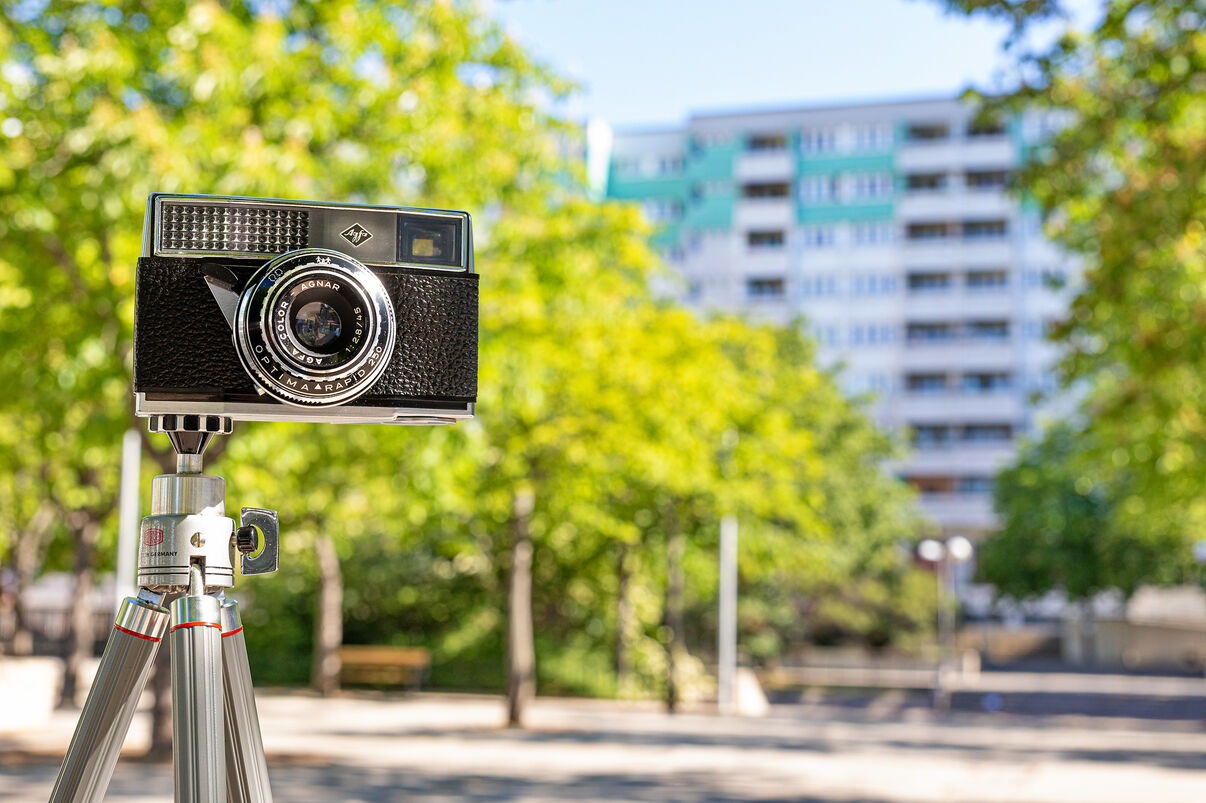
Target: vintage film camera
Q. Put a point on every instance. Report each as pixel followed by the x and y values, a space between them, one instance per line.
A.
pixel 271 310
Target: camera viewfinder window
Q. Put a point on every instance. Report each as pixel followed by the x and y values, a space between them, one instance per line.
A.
pixel 429 242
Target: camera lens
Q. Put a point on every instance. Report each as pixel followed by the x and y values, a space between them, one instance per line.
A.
pixel 315 327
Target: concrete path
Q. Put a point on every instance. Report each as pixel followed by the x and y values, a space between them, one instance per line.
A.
pixel 451 748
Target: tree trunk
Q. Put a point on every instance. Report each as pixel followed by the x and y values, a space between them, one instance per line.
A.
pixel 161 712
pixel 79 628
pixel 676 545
pixel 623 619
pixel 328 624
pixel 27 550
pixel 521 647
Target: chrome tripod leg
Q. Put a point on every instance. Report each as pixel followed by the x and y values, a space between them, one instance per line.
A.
pixel 246 768
pixel 198 758
pixel 120 679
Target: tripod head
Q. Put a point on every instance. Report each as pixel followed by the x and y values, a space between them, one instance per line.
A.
pixel 188 527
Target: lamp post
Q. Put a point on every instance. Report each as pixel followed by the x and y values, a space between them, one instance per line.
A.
pixel 945 556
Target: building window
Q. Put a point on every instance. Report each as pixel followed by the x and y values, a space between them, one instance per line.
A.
pixel 976 485
pixel 993 331
pixel 818 140
pixel 663 210
pixel 986 127
pixel 764 289
pixel 825 335
pixel 818 236
pixel 876 137
pixel 925 383
pixel 984 229
pixel 818 189
pixel 767 142
pixel 987 179
pixel 929 282
pixel 818 286
pixel 711 139
pixel 872 185
pixel 986 382
pixel 772 189
pixel 925 182
pixel 931 485
pixel 928 231
pixel 712 188
pixel 987 280
pixel 930 436
pixel 764 239
pixel 930 332
pixel 927 132
pixel 987 433
pixel 874 233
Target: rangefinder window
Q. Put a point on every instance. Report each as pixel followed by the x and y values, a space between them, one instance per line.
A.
pixel 429 241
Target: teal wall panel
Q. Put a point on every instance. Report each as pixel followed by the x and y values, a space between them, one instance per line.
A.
pixel 641 188
pixel 846 163
pixel 831 213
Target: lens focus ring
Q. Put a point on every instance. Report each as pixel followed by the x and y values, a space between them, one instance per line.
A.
pixel 314 328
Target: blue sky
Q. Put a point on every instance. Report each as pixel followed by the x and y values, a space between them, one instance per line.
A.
pixel 650 62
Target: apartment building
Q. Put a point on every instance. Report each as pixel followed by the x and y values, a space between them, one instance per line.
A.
pixel 887 229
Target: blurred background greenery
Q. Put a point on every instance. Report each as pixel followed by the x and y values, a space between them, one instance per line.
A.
pixel 613 430
pixel 575 519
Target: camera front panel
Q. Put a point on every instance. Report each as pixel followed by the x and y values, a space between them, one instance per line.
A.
pixel 185 356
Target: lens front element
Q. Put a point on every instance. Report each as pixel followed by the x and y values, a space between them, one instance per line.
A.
pixel 314 328
pixel 317 325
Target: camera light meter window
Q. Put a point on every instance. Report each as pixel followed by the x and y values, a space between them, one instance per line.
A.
pixel 430 241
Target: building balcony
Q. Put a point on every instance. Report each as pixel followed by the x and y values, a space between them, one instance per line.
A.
pixel 764 213
pixel 958 457
pixel 957 251
pixel 957 353
pixel 960 512
pixel 955 405
pixel 956 153
pixel 955 203
pixel 959 302
pixel 770 165
pixel 767 260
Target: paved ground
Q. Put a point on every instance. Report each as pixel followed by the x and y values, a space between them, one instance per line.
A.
pixel 446 748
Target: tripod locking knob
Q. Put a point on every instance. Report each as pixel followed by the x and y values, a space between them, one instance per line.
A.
pixel 252 519
pixel 246 539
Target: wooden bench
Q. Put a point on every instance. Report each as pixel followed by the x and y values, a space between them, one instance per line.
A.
pixel 383 666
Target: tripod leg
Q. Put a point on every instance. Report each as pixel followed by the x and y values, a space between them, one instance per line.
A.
pixel 120 679
pixel 198 760
pixel 246 769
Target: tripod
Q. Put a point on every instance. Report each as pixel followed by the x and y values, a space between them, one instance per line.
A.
pixel 185 564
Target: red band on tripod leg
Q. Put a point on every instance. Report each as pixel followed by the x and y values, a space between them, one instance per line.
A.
pixel 134 634
pixel 238 629
pixel 195 624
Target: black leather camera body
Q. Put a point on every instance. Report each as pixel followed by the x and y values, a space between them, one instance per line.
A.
pixel 273 310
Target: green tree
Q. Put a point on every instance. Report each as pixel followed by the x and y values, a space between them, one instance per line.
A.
pixel 1055 519
pixel 609 422
pixel 104 103
pixel 1124 185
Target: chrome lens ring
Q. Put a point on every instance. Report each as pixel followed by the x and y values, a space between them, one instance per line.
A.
pixel 302 369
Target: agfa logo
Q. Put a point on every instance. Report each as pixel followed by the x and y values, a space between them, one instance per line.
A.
pixel 356 234
pixel 152 536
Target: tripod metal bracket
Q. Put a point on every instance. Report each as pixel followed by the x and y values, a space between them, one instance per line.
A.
pixel 266 522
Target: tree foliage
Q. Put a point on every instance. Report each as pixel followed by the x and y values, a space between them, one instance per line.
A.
pixel 609 421
pixel 1124 185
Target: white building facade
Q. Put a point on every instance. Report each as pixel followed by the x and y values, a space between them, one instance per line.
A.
pixel 888 229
